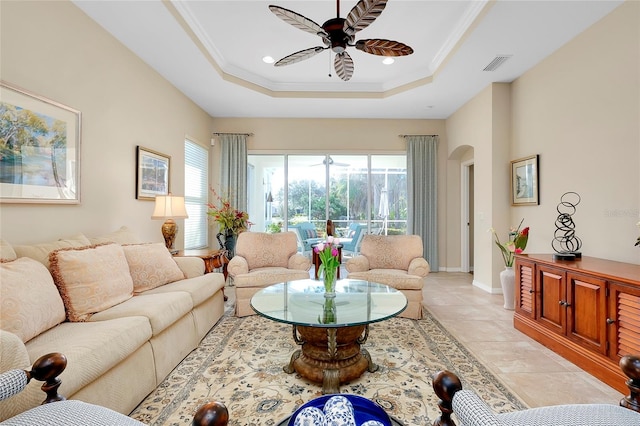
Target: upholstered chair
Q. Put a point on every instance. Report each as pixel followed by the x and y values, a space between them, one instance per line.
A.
pixel 57 411
pixel 263 259
pixel 471 410
pixel 394 260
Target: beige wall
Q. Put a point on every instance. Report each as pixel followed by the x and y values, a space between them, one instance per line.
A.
pixel 54 50
pixel 580 111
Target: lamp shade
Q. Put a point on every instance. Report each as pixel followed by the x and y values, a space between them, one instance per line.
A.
pixel 169 206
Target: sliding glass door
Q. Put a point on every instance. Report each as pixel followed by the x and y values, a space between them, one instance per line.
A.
pixel 286 190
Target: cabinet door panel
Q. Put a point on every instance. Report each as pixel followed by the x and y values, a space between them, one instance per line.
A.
pixel 624 315
pixel 551 293
pixel 586 311
pixel 525 288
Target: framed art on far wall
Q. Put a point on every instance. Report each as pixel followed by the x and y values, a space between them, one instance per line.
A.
pixel 152 174
pixel 524 181
pixel 39 149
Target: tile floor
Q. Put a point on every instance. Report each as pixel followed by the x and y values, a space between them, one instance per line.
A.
pixel 537 375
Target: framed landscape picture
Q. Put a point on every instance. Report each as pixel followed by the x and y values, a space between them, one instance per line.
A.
pixel 39 149
pixel 524 181
pixel 152 175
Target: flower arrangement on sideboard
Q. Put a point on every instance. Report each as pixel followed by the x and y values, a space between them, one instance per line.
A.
pixel 516 243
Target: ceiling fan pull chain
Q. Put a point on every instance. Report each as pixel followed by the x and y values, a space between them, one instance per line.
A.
pixel 330 64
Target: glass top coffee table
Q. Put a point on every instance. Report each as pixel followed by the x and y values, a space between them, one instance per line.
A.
pixel 329 330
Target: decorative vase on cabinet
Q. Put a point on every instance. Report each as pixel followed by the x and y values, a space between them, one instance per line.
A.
pixel 507 280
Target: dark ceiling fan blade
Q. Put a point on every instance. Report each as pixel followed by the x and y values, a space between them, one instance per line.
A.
pixel 343 65
pixel 299 56
pixel 363 14
pixel 382 47
pixel 298 21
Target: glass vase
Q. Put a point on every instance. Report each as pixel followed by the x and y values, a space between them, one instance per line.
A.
pixel 330 278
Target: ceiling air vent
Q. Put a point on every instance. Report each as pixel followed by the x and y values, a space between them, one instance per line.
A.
pixel 496 62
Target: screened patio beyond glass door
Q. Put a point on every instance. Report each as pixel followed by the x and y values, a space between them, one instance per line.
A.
pixel 287 190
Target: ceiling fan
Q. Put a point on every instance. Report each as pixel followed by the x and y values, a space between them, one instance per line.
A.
pixel 331 163
pixel 339 33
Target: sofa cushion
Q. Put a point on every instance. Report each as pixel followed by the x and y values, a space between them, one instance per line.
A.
pixel 91 279
pixel 40 252
pixel 7 253
pixel 150 266
pixel 29 300
pixel 263 277
pixel 91 348
pixel 261 249
pixel 395 278
pixel 162 309
pixel 123 235
pixel 199 288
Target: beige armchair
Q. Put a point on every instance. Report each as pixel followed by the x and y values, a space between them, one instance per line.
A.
pixel 263 259
pixel 394 260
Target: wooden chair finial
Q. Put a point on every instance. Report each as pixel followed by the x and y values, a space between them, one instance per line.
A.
pixel 445 385
pixel 630 366
pixel 213 413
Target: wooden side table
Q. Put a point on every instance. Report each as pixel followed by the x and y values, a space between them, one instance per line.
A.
pixel 213 259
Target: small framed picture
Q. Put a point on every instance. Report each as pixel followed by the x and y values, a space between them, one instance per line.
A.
pixel 152 175
pixel 524 181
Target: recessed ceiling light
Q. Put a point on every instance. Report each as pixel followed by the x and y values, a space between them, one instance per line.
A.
pixel 268 60
pixel 388 61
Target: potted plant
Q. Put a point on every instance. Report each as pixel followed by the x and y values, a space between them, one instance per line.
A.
pixel 230 220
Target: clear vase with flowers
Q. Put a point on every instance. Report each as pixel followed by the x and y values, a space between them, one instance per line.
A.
pixel 329 263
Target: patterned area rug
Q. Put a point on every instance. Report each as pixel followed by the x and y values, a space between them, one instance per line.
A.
pixel 240 363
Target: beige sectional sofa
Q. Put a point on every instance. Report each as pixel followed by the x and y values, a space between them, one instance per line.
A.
pixel 123 312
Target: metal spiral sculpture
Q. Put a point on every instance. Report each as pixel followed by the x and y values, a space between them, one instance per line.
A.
pixel 565 242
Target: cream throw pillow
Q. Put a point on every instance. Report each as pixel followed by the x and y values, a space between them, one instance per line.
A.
pixel 40 252
pixel 7 253
pixel 150 266
pixel 29 300
pixel 91 279
pixel 123 235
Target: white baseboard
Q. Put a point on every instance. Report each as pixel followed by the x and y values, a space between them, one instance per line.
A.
pixel 445 269
pixel 486 288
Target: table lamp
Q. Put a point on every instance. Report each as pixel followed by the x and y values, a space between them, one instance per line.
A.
pixel 169 207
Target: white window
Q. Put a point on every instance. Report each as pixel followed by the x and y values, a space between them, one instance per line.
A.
pixel 196 192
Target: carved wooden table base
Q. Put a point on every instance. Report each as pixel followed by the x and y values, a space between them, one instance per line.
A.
pixel 331 356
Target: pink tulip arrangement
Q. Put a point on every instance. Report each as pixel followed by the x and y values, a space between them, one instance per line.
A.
pixel 328 254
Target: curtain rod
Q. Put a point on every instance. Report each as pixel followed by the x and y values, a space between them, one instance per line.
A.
pixel 404 136
pixel 245 134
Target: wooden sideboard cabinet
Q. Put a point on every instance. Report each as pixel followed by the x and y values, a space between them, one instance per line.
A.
pixel 587 310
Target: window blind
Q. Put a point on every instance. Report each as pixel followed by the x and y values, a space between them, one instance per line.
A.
pixel 196 178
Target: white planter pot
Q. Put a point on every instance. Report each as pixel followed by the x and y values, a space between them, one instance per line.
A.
pixel 507 280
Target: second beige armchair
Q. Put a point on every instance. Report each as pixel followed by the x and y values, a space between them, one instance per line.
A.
pixel 394 260
pixel 263 259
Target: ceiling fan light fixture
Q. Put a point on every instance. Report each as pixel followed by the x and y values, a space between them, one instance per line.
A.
pixel 339 33
pixel 388 60
pixel 268 60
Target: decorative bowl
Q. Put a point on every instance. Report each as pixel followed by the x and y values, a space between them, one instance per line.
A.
pixel 363 409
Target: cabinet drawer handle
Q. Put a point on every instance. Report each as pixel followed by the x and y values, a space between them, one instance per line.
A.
pixel 531 290
pixel 610 321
